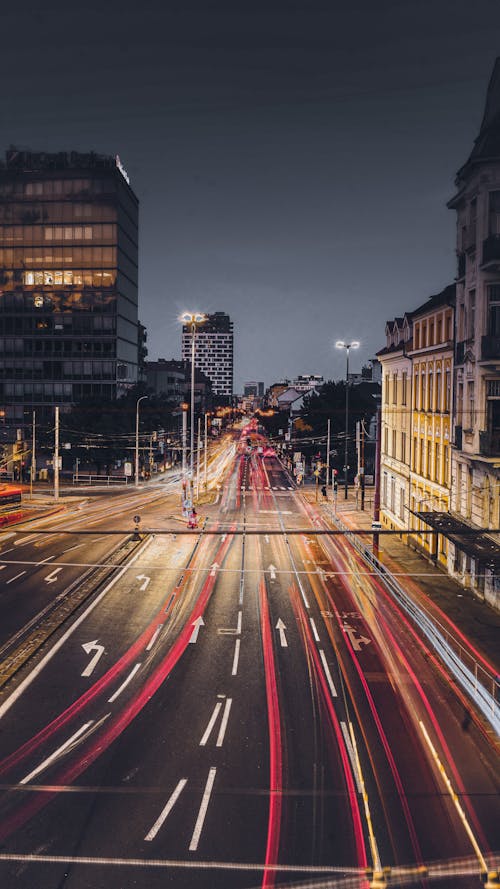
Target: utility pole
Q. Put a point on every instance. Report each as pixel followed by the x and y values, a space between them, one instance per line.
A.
pixel 56 455
pixel 362 465
pixel 198 455
pixel 33 456
pixel 327 454
pixel 185 408
pixel 376 500
pixel 205 457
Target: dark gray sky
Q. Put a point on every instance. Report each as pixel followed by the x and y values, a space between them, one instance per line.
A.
pixel 293 158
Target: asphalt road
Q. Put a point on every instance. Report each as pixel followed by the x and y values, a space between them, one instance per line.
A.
pixel 229 710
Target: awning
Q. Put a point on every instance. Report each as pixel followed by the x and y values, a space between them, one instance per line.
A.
pixel 478 546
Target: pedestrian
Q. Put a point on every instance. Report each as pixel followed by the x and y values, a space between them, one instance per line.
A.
pixel 323 491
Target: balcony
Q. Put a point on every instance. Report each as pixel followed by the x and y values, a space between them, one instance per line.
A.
pixel 490 348
pixel 458 437
pixel 489 443
pixel 491 250
pixel 459 352
pixel 469 238
pixel 461 265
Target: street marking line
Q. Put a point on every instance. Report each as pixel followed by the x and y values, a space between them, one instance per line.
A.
pixel 12 579
pixel 238 626
pixel 166 810
pixel 211 724
pixel 203 811
pixel 154 637
pixel 352 757
pixel 53 756
pixel 326 668
pixel 455 799
pixel 315 632
pixel 223 726
pixel 124 684
pixel 236 657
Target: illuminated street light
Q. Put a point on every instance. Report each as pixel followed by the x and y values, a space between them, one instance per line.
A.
pixel 192 319
pixel 137 439
pixel 347 346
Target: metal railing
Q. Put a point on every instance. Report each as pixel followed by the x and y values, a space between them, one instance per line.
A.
pixel 88 479
pixel 482 686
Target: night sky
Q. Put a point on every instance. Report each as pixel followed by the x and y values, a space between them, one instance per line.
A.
pixel 292 159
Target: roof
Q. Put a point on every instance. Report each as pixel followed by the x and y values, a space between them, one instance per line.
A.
pixel 445 297
pixel 487 144
pixel 467 538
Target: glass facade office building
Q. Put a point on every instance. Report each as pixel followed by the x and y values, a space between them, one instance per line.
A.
pixel 68 281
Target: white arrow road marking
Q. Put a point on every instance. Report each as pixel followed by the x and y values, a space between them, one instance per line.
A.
pixel 195 839
pixel 99 651
pixel 2 567
pixel 154 637
pixel 52 577
pixel 147 581
pixel 124 684
pixel 53 756
pixel 280 626
pixel 14 578
pixel 166 811
pixel 214 567
pixel 272 571
pixel 326 668
pixel 199 622
pixel 266 538
pixel 356 641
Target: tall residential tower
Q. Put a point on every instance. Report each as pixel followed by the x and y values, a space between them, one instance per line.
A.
pixel 214 352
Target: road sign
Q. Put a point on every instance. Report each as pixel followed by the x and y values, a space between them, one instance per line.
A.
pixel 137 519
pixel 188 504
pixel 127 468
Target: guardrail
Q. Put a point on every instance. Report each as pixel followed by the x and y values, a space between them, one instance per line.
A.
pixel 83 479
pixel 479 683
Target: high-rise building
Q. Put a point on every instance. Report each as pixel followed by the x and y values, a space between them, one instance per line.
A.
pixel 68 281
pixel 214 353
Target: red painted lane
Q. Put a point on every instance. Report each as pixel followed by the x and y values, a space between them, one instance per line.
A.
pixel 275 744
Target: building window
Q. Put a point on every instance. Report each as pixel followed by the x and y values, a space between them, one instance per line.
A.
pixel 471 326
pixel 431 391
pixel 494 309
pixel 404 384
pixel 395 388
pixel 470 404
pixel 447 392
pixel 386 388
pixel 394 443
pixel 415 391
pixel 438 391
pixel 437 466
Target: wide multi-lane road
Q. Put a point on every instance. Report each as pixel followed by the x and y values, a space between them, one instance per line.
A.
pixel 243 706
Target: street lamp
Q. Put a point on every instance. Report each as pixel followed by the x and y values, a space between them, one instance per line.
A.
pixel 347 346
pixel 137 439
pixel 192 319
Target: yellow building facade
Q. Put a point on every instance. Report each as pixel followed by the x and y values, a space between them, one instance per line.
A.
pixel 431 420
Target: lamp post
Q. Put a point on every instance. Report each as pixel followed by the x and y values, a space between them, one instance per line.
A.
pixel 347 346
pixel 137 439
pixel 192 319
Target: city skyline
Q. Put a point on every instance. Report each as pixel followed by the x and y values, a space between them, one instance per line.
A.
pixel 293 164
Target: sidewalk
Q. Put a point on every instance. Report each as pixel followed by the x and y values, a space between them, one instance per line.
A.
pixel 427 582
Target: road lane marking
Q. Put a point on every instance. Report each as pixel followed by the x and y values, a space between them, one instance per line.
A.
pixel 315 632
pixel 199 622
pixel 195 839
pixel 238 627
pixel 12 579
pixel 350 750
pixel 166 811
pixel 52 577
pixel 455 799
pixel 223 725
pixel 24 540
pixel 124 684
pixel 326 668
pixel 88 647
pixel 211 724
pixel 48 559
pixel 236 657
pixel 154 637
pixel 53 756
pixel 280 626
pixel 2 567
